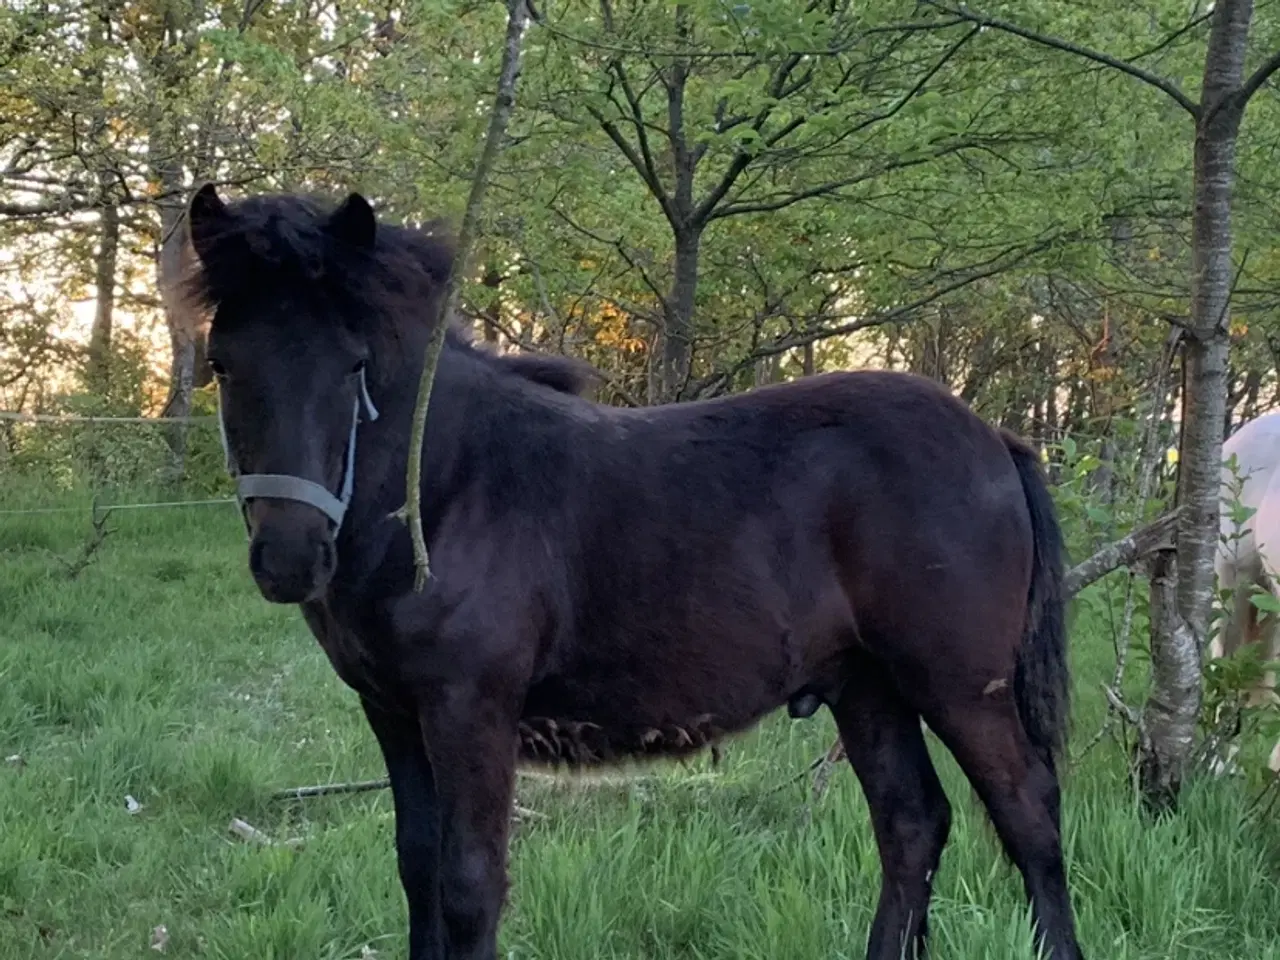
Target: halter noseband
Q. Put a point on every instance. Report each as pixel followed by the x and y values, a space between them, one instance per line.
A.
pixel 282 486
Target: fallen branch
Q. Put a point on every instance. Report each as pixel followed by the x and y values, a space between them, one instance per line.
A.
pixel 524 813
pixel 97 536
pixel 825 767
pixel 247 832
pixel 598 780
pixel 1122 553
pixel 251 834
pixel 329 789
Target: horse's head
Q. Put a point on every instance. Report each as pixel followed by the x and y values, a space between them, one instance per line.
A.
pixel 289 342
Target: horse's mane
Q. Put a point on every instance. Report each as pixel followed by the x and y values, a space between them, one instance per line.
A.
pixel 388 289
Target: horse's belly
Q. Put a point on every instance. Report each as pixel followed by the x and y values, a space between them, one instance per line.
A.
pixel 587 724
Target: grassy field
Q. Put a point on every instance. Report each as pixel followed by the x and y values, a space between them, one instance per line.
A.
pixel 159 674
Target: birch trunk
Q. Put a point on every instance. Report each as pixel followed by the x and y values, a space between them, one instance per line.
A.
pixel 1169 716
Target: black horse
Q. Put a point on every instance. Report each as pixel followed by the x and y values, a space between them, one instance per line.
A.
pixel 616 584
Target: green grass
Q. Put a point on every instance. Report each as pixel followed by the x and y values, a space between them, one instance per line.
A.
pixel 160 674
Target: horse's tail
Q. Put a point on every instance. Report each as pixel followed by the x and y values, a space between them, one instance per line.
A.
pixel 1041 680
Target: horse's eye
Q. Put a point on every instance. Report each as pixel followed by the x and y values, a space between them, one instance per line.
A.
pixel 359 367
pixel 217 368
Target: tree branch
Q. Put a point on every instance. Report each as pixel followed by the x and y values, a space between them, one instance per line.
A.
pixel 993 267
pixel 742 159
pixel 834 186
pixel 744 52
pixel 637 120
pixel 1255 81
pixel 1171 89
pixel 503 104
pixel 1124 552
pixel 655 188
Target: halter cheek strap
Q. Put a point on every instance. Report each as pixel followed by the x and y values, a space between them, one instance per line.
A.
pixel 283 486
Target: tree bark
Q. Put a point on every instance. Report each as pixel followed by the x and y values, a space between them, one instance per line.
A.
pixel 1169 715
pixel 1180 631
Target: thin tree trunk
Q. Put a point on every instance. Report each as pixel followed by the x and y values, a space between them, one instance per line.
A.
pixel 504 102
pixel 100 336
pixel 1174 702
pixel 107 254
pixel 1051 395
pixel 173 44
pixel 1249 410
pixel 492 313
pixel 170 262
pixel 677 341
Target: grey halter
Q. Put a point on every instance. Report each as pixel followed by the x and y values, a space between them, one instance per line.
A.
pixel 279 486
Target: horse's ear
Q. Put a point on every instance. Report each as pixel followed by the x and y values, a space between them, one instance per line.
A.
pixel 207 220
pixel 354 223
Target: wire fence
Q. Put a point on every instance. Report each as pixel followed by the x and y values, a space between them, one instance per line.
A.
pixel 72 419
pixel 48 458
pixel 155 505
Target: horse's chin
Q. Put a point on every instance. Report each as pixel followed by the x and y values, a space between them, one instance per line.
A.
pixel 290 594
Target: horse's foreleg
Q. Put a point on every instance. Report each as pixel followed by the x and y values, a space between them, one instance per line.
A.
pixel 471 739
pixel 909 810
pixel 1266 633
pixel 417 825
pixel 1240 576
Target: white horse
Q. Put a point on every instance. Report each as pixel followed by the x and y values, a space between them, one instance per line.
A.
pixel 1248 554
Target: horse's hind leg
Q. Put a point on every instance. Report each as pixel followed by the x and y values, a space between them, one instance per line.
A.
pixel 909 811
pixel 1020 791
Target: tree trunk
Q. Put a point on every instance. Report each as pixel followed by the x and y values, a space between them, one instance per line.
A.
pixel 677 340
pixel 105 258
pixel 183 332
pixel 1174 703
pixel 1169 715
pixel 1249 410
pixel 104 276
pixel 1050 428
pixel 768 370
pixel 686 229
pixel 492 313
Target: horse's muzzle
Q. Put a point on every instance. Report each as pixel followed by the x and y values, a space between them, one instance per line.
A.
pixel 291 554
